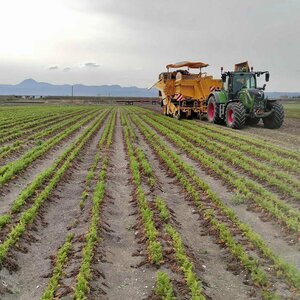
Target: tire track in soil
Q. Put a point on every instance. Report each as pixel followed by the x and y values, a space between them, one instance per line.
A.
pixel 218 282
pixel 10 191
pixel 122 279
pixel 281 243
pixel 48 232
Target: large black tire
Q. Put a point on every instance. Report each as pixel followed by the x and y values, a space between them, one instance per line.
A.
pixel 275 119
pixel 213 111
pixel 252 121
pixel 235 115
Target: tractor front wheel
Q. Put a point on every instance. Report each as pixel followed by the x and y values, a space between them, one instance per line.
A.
pixel 235 115
pixel 213 111
pixel 275 119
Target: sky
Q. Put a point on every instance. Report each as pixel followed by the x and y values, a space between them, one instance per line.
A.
pixel 130 42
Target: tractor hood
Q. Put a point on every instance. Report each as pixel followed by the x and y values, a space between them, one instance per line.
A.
pixel 256 94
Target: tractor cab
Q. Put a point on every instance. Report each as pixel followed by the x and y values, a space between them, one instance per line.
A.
pixel 241 85
pixel 240 80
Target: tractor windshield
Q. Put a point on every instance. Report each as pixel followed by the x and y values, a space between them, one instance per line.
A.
pixel 243 80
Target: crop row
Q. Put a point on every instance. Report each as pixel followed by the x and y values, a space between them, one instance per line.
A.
pixel 249 140
pixel 29 215
pixel 48 129
pixel 92 236
pixel 244 186
pixel 31 113
pixel 14 167
pixel 41 178
pixel 186 265
pixel 91 172
pixel 267 154
pixel 153 245
pixel 60 261
pixel 44 123
pixel 184 173
pixel 246 142
pixel 281 180
pixel 141 158
pixel 13 123
pixel 13 133
pixel 163 285
pixel 63 254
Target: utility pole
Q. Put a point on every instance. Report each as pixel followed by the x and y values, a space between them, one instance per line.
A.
pixel 72 90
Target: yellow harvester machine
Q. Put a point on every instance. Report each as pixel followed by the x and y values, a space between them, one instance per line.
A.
pixel 184 93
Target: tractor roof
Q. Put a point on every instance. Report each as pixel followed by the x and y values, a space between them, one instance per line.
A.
pixel 189 64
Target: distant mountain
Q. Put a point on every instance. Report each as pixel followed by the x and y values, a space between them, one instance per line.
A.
pixel 31 87
pixel 277 95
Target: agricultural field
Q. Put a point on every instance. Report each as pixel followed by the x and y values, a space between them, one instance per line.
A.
pixel 120 202
pixel 292 109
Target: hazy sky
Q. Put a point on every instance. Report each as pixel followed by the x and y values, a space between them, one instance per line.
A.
pixel 130 42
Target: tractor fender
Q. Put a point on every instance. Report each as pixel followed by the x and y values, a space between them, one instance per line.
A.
pixel 231 101
pixel 220 97
pixel 215 95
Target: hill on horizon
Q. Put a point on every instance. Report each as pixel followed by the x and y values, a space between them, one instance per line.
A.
pixel 31 87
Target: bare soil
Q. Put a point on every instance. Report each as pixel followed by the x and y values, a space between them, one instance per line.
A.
pixel 10 191
pixel 123 279
pixel 281 243
pixel 120 266
pixel 219 281
pixel 288 136
pixel 48 233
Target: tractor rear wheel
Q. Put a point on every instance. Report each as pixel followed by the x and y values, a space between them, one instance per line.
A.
pixel 235 115
pixel 213 111
pixel 275 119
pixel 252 121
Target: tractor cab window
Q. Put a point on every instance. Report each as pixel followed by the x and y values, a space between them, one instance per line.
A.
pixel 243 80
pixel 226 83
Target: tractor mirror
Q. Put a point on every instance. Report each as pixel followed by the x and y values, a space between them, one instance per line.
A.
pixel 224 77
pixel 267 77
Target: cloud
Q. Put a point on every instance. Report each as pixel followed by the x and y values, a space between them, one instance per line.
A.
pixel 67 69
pixel 91 65
pixel 55 67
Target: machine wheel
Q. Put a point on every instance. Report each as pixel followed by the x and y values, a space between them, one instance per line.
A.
pixel 177 115
pixel 165 110
pixel 252 121
pixel 213 111
pixel 235 115
pixel 275 119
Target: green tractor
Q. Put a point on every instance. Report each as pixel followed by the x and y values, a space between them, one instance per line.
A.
pixel 241 102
